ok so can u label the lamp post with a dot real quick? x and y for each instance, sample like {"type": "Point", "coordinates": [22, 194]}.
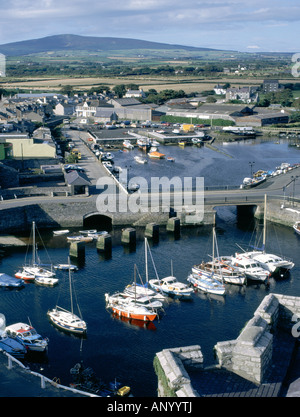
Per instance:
{"type": "Point", "coordinates": [251, 165]}
{"type": "Point", "coordinates": [294, 180]}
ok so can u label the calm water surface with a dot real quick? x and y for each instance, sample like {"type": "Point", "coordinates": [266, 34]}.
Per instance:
{"type": "Point", "coordinates": [115, 348]}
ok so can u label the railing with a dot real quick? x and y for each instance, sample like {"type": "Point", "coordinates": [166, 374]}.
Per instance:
{"type": "Point", "coordinates": [43, 379]}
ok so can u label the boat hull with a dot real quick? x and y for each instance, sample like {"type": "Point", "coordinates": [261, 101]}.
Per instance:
{"type": "Point", "coordinates": [132, 315]}
{"type": "Point", "coordinates": [206, 285]}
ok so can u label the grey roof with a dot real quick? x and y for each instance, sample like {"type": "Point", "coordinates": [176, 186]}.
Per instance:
{"type": "Point", "coordinates": [77, 178]}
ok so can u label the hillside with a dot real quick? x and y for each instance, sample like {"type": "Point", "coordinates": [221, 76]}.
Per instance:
{"type": "Point", "coordinates": [87, 43]}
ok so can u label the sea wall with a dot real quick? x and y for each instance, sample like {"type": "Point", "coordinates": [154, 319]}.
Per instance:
{"type": "Point", "coordinates": [250, 355]}
{"type": "Point", "coordinates": [169, 365]}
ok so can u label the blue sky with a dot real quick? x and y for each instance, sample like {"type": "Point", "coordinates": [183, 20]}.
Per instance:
{"type": "Point", "coordinates": [253, 25]}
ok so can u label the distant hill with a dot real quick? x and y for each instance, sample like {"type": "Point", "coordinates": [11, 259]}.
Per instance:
{"type": "Point", "coordinates": [88, 43]}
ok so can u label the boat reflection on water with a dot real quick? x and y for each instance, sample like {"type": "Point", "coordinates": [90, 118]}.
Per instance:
{"type": "Point", "coordinates": [149, 325]}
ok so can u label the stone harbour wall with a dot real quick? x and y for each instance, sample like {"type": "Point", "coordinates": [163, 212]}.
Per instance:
{"type": "Point", "coordinates": [250, 355]}
{"type": "Point", "coordinates": [170, 365]}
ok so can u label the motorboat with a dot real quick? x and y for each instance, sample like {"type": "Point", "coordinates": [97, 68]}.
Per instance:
{"type": "Point", "coordinates": [154, 142]}
{"type": "Point", "coordinates": [171, 287]}
{"type": "Point", "coordinates": [296, 227]}
{"type": "Point", "coordinates": [156, 155]}
{"type": "Point", "coordinates": [140, 160]}
{"type": "Point", "coordinates": [66, 267]}
{"type": "Point", "coordinates": [133, 186]}
{"type": "Point", "coordinates": [170, 159]}
{"type": "Point", "coordinates": [29, 336]}
{"type": "Point", "coordinates": [60, 232]}
{"type": "Point", "coordinates": [67, 320]}
{"type": "Point", "coordinates": [46, 281]}
{"type": "Point", "coordinates": [10, 282]}
{"type": "Point", "coordinates": [140, 290]}
{"type": "Point", "coordinates": [206, 283]}
{"type": "Point", "coordinates": [127, 144]}
{"type": "Point", "coordinates": [87, 232]}
{"type": "Point", "coordinates": [222, 272]}
{"type": "Point", "coordinates": [80, 239]}
{"type": "Point", "coordinates": [24, 276]}
{"type": "Point", "coordinates": [13, 346]}
{"type": "Point", "coordinates": [274, 264]}
{"type": "Point", "coordinates": [143, 143]}
{"type": "Point", "coordinates": [251, 268]}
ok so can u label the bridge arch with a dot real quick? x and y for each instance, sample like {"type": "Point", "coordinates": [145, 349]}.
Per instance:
{"type": "Point", "coordinates": [97, 221]}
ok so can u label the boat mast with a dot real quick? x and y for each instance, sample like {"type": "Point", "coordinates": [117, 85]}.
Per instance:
{"type": "Point", "coordinates": [33, 243]}
{"type": "Point", "coordinates": [146, 259]}
{"type": "Point", "coordinates": [70, 286]}
{"type": "Point", "coordinates": [265, 223]}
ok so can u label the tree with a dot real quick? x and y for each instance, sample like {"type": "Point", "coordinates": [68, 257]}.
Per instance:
{"type": "Point", "coordinates": [67, 90]}
{"type": "Point", "coordinates": [120, 90]}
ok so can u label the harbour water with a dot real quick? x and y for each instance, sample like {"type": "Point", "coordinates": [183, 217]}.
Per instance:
{"type": "Point", "coordinates": [116, 348]}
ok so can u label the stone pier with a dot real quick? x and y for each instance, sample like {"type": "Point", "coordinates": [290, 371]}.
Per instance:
{"type": "Point", "coordinates": [261, 355]}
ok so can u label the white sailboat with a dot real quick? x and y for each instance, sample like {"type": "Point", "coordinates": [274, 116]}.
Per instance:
{"type": "Point", "coordinates": [220, 271]}
{"type": "Point", "coordinates": [272, 263]}
{"type": "Point", "coordinates": [34, 270]}
{"type": "Point", "coordinates": [133, 310]}
{"type": "Point", "coordinates": [65, 319]}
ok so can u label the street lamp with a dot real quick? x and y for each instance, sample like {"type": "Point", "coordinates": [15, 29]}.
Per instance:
{"type": "Point", "coordinates": [294, 180]}
{"type": "Point", "coordinates": [251, 165]}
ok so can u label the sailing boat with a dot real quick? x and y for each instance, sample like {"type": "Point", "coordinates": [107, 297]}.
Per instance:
{"type": "Point", "coordinates": [131, 311]}
{"type": "Point", "coordinates": [67, 320]}
{"type": "Point", "coordinates": [220, 271]}
{"type": "Point", "coordinates": [34, 270]}
{"type": "Point", "coordinates": [143, 289]}
{"type": "Point", "coordinates": [268, 261]}
{"type": "Point", "coordinates": [170, 286]}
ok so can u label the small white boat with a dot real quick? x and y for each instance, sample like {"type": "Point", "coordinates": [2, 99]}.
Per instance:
{"type": "Point", "coordinates": [296, 227]}
{"type": "Point", "coordinates": [206, 284]}
{"type": "Point", "coordinates": [133, 187]}
{"type": "Point", "coordinates": [61, 232]}
{"type": "Point", "coordinates": [87, 232]}
{"type": "Point", "coordinates": [46, 281]}
{"type": "Point", "coordinates": [140, 160]}
{"type": "Point", "coordinates": [66, 267]}
{"type": "Point", "coordinates": [29, 336]}
{"type": "Point", "coordinates": [172, 287]}
{"type": "Point", "coordinates": [127, 144]}
{"type": "Point", "coordinates": [79, 239]}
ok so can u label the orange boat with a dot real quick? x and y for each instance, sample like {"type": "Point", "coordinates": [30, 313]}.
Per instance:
{"type": "Point", "coordinates": [156, 155]}
{"type": "Point", "coordinates": [133, 312]}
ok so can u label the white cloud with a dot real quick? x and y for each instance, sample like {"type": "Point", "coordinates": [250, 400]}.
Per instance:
{"type": "Point", "coordinates": [192, 22]}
